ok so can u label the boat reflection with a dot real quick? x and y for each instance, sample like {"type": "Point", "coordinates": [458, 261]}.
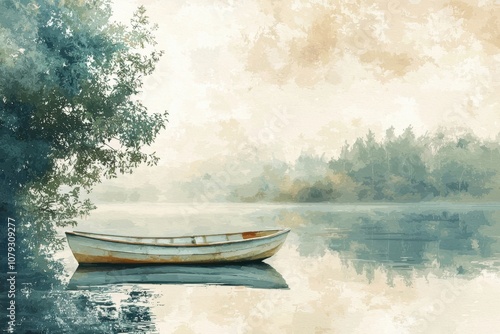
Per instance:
{"type": "Point", "coordinates": [258, 275]}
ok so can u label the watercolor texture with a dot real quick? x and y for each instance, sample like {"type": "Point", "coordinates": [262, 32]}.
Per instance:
{"type": "Point", "coordinates": [370, 129]}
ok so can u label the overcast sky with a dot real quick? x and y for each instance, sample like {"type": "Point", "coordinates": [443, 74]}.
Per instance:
{"type": "Point", "coordinates": [294, 76]}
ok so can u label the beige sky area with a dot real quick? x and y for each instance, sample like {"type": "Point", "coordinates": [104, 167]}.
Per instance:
{"type": "Point", "coordinates": [307, 76]}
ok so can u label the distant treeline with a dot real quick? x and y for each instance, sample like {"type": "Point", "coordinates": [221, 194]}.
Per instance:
{"type": "Point", "coordinates": [397, 168]}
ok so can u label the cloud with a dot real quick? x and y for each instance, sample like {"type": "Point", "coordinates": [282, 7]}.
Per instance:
{"type": "Point", "coordinates": [391, 39]}
{"type": "Point", "coordinates": [334, 69]}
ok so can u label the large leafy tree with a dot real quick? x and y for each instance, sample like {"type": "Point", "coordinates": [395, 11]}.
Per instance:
{"type": "Point", "coordinates": [68, 112]}
{"type": "Point", "coordinates": [68, 119]}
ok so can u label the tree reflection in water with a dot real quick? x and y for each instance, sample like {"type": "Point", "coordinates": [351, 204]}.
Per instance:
{"type": "Point", "coordinates": [404, 243]}
{"type": "Point", "coordinates": [43, 305]}
{"type": "Point", "coordinates": [60, 311]}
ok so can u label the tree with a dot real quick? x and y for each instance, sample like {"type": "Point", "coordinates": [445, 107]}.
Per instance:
{"type": "Point", "coordinates": [68, 116]}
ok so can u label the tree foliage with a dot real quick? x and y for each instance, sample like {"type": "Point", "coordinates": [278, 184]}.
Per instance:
{"type": "Point", "coordinates": [397, 168]}
{"type": "Point", "coordinates": [68, 116]}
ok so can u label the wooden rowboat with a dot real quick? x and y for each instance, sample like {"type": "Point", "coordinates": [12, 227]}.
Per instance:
{"type": "Point", "coordinates": [93, 248]}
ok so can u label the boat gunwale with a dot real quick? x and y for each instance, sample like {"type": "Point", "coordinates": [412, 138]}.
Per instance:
{"type": "Point", "coordinates": [217, 243]}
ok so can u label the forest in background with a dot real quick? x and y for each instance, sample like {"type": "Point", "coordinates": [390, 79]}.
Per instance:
{"type": "Point", "coordinates": [397, 168]}
{"type": "Point", "coordinates": [444, 165]}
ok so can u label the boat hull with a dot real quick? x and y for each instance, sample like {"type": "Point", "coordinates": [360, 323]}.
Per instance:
{"type": "Point", "coordinates": [88, 250]}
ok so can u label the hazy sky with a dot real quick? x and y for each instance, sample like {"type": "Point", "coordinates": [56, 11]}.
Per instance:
{"type": "Point", "coordinates": [293, 76]}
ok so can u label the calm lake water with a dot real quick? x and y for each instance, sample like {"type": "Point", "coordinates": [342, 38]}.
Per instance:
{"type": "Point", "coordinates": [407, 268]}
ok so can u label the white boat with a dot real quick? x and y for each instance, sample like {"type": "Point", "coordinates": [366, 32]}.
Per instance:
{"type": "Point", "coordinates": [93, 248]}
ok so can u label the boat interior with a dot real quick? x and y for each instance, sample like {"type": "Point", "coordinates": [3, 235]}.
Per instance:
{"type": "Point", "coordinates": [182, 240]}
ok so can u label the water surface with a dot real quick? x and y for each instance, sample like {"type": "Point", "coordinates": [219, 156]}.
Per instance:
{"type": "Point", "coordinates": [405, 268]}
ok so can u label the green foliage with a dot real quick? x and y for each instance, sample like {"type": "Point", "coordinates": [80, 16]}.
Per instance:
{"type": "Point", "coordinates": [397, 168]}
{"type": "Point", "coordinates": [68, 116]}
